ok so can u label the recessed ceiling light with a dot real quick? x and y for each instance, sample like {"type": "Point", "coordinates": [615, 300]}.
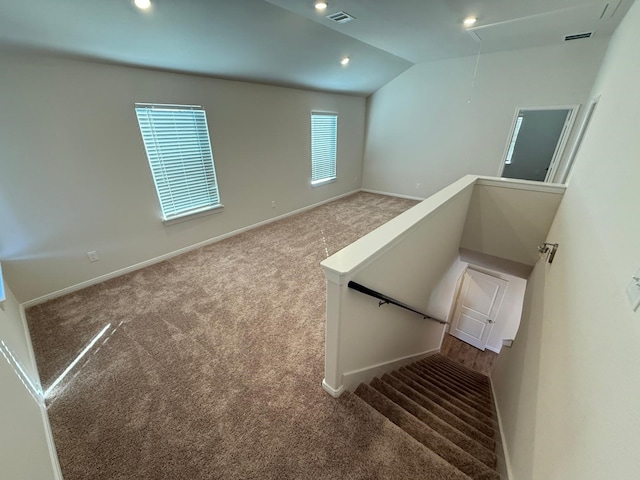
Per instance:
{"type": "Point", "coordinates": [320, 5]}
{"type": "Point", "coordinates": [142, 4]}
{"type": "Point", "coordinates": [345, 61]}
{"type": "Point", "coordinates": [469, 21]}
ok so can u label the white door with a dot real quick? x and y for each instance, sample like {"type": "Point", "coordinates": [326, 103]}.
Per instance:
{"type": "Point", "coordinates": [477, 307]}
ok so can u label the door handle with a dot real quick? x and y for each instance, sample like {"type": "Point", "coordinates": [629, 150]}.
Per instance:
{"type": "Point", "coordinates": [491, 321]}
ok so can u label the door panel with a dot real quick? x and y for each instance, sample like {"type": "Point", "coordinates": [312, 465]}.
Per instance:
{"type": "Point", "coordinates": [477, 307]}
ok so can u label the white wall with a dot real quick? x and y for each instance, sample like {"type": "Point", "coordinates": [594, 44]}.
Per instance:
{"type": "Point", "coordinates": [568, 390]}
{"type": "Point", "coordinates": [509, 222]}
{"type": "Point", "coordinates": [24, 436]}
{"type": "Point", "coordinates": [507, 320]}
{"type": "Point", "coordinates": [422, 129]}
{"type": "Point", "coordinates": [75, 176]}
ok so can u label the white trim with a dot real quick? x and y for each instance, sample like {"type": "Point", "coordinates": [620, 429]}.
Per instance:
{"type": "Point", "coordinates": [201, 212]}
{"type": "Point", "coordinates": [32, 354]}
{"type": "Point", "coordinates": [505, 451]}
{"type": "Point", "coordinates": [175, 253]}
{"type": "Point", "coordinates": [351, 380]}
{"type": "Point", "coordinates": [578, 142]}
{"type": "Point", "coordinates": [493, 349]}
{"type": "Point", "coordinates": [51, 446]}
{"type": "Point", "coordinates": [517, 184]}
{"type": "Point", "coordinates": [53, 453]}
{"type": "Point", "coordinates": [332, 391]}
{"type": "Point", "coordinates": [324, 181]}
{"type": "Point", "coordinates": [389, 194]}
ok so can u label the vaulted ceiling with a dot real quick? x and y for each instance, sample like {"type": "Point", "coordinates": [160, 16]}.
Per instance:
{"type": "Point", "coordinates": [288, 42]}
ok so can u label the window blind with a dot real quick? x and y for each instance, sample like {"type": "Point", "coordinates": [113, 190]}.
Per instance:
{"type": "Point", "coordinates": [176, 139]}
{"type": "Point", "coordinates": [324, 141]}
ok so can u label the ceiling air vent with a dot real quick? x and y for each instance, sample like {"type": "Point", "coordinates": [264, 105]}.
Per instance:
{"type": "Point", "coordinates": [341, 17]}
{"type": "Point", "coordinates": [578, 36]}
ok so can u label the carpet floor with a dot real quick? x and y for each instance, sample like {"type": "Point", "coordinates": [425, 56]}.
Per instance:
{"type": "Point", "coordinates": [211, 363]}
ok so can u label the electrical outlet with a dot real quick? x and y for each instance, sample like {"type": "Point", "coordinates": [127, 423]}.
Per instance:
{"type": "Point", "coordinates": [355, 180]}
{"type": "Point", "coordinates": [273, 204]}
{"type": "Point", "coordinates": [418, 185]}
{"type": "Point", "coordinates": [93, 256]}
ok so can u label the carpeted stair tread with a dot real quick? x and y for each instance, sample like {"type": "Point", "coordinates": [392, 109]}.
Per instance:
{"type": "Point", "coordinates": [470, 392]}
{"type": "Point", "coordinates": [461, 369]}
{"type": "Point", "coordinates": [480, 422]}
{"type": "Point", "coordinates": [443, 413]}
{"type": "Point", "coordinates": [482, 390]}
{"type": "Point", "coordinates": [451, 377]}
{"type": "Point", "coordinates": [438, 425]}
{"type": "Point", "coordinates": [433, 388]}
{"type": "Point", "coordinates": [450, 391]}
{"type": "Point", "coordinates": [460, 459]}
{"type": "Point", "coordinates": [483, 386]}
{"type": "Point", "coordinates": [431, 465]}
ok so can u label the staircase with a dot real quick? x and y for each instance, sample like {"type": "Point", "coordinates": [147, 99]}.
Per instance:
{"type": "Point", "coordinates": [446, 407]}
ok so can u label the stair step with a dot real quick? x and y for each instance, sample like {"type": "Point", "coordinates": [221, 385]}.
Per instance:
{"type": "Point", "coordinates": [483, 385]}
{"type": "Point", "coordinates": [432, 388]}
{"type": "Point", "coordinates": [460, 459]}
{"type": "Point", "coordinates": [449, 413]}
{"type": "Point", "coordinates": [446, 379]}
{"type": "Point", "coordinates": [444, 389]}
{"type": "Point", "coordinates": [452, 434]}
{"type": "Point", "coordinates": [465, 371]}
{"type": "Point", "coordinates": [417, 460]}
{"type": "Point", "coordinates": [441, 369]}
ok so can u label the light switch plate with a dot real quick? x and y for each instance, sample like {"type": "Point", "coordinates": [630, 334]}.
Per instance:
{"type": "Point", "coordinates": [633, 291]}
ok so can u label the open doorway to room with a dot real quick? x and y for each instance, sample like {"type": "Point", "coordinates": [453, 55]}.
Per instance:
{"type": "Point", "coordinates": [486, 296]}
{"type": "Point", "coordinates": [537, 141]}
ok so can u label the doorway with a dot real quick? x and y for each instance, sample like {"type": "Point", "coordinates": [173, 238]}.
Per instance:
{"type": "Point", "coordinates": [536, 143]}
{"type": "Point", "coordinates": [477, 307]}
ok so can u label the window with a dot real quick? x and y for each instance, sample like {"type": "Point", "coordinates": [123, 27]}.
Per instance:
{"type": "Point", "coordinates": [512, 145]}
{"type": "Point", "coordinates": [176, 138]}
{"type": "Point", "coordinates": [324, 141]}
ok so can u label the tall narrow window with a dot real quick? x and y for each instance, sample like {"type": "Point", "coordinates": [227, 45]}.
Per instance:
{"type": "Point", "coordinates": [176, 138]}
{"type": "Point", "coordinates": [324, 142]}
{"type": "Point", "coordinates": [512, 145]}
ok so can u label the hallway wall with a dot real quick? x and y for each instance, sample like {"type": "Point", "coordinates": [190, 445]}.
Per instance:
{"type": "Point", "coordinates": [568, 390]}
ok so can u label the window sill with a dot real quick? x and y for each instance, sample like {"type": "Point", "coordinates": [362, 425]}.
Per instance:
{"type": "Point", "coordinates": [324, 181]}
{"type": "Point", "coordinates": [193, 215]}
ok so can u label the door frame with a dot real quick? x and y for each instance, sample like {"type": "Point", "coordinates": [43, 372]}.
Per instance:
{"type": "Point", "coordinates": [562, 140]}
{"type": "Point", "coordinates": [457, 298]}
{"type": "Point", "coordinates": [578, 143]}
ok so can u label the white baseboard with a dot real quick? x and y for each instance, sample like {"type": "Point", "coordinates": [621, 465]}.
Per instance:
{"type": "Point", "coordinates": [351, 380]}
{"type": "Point", "coordinates": [389, 194]}
{"type": "Point", "coordinates": [332, 391]}
{"type": "Point", "coordinates": [175, 253]}
{"type": "Point", "coordinates": [55, 463]}
{"type": "Point", "coordinates": [503, 468]}
{"type": "Point", "coordinates": [493, 349]}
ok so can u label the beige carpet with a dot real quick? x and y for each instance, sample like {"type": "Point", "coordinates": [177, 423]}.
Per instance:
{"type": "Point", "coordinates": [212, 365]}
{"type": "Point", "coordinates": [446, 407]}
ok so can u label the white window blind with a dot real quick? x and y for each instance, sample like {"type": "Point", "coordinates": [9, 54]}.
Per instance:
{"type": "Point", "coordinates": [176, 139]}
{"type": "Point", "coordinates": [324, 142]}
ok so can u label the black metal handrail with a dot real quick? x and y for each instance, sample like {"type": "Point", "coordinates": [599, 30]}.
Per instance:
{"type": "Point", "coordinates": [388, 300]}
